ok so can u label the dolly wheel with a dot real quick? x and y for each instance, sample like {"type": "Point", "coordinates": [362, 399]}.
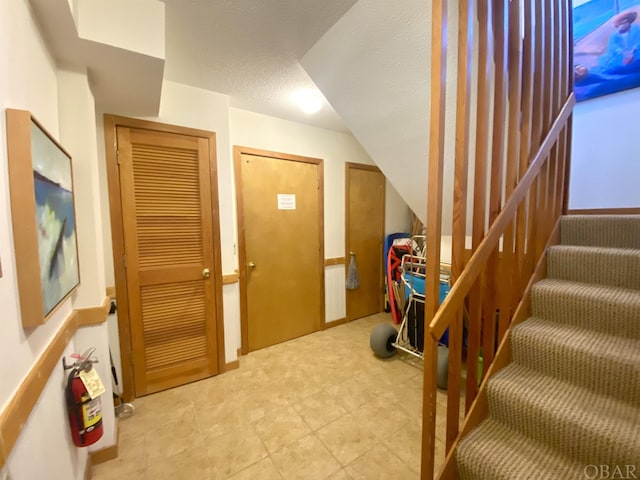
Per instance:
{"type": "Point", "coordinates": [381, 339]}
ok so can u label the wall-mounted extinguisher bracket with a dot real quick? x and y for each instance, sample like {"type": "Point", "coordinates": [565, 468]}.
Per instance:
{"type": "Point", "coordinates": [82, 362]}
{"type": "Point", "coordinates": [83, 399]}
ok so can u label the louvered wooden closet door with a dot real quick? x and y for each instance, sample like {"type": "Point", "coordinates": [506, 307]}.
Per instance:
{"type": "Point", "coordinates": [167, 214]}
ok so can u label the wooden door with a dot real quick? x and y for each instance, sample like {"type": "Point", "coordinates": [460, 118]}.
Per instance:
{"type": "Point", "coordinates": [365, 197]}
{"type": "Point", "coordinates": [167, 190]}
{"type": "Point", "coordinates": [280, 216]}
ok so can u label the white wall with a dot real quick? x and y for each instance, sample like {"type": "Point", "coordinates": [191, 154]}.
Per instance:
{"type": "Point", "coordinates": [77, 114]}
{"type": "Point", "coordinates": [397, 215]}
{"type": "Point", "coordinates": [135, 26]}
{"type": "Point", "coordinates": [30, 82]}
{"type": "Point", "coordinates": [605, 164]}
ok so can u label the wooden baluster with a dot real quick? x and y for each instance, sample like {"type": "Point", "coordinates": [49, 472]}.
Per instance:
{"type": "Point", "coordinates": [560, 57]}
{"type": "Point", "coordinates": [549, 54]}
{"type": "Point", "coordinates": [483, 116]}
{"type": "Point", "coordinates": [459, 232]}
{"type": "Point", "coordinates": [533, 214]}
{"type": "Point", "coordinates": [500, 27]}
{"type": "Point", "coordinates": [474, 339]}
{"type": "Point", "coordinates": [509, 269]}
{"type": "Point", "coordinates": [562, 72]}
{"type": "Point", "coordinates": [434, 229]}
{"type": "Point", "coordinates": [533, 206]}
{"type": "Point", "coordinates": [567, 166]}
{"type": "Point", "coordinates": [429, 411]}
{"type": "Point", "coordinates": [550, 60]}
{"type": "Point", "coordinates": [569, 90]}
{"type": "Point", "coordinates": [526, 130]}
{"type": "Point", "coordinates": [562, 158]}
{"type": "Point", "coordinates": [559, 79]}
{"type": "Point", "coordinates": [542, 225]}
{"type": "Point", "coordinates": [569, 42]}
{"type": "Point", "coordinates": [539, 77]}
{"type": "Point", "coordinates": [553, 185]}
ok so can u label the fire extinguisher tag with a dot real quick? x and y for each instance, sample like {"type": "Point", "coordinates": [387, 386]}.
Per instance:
{"type": "Point", "coordinates": [92, 383]}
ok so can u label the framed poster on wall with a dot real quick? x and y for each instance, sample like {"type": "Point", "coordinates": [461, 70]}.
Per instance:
{"type": "Point", "coordinates": [43, 218]}
{"type": "Point", "coordinates": [606, 55]}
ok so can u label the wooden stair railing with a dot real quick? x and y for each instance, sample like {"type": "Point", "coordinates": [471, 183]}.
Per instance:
{"type": "Point", "coordinates": [521, 158]}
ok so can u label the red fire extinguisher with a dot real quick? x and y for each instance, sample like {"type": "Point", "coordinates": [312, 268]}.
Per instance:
{"type": "Point", "coordinates": [85, 413]}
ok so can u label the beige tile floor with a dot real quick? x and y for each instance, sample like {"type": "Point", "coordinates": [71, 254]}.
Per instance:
{"type": "Point", "coordinates": [317, 407]}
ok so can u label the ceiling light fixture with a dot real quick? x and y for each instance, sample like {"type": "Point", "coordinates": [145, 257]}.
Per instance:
{"type": "Point", "coordinates": [310, 102]}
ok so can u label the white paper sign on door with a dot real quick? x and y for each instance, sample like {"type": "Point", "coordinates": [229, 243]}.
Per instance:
{"type": "Point", "coordinates": [286, 201]}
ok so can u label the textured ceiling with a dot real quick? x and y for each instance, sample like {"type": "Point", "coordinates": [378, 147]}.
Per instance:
{"type": "Point", "coordinates": [250, 50]}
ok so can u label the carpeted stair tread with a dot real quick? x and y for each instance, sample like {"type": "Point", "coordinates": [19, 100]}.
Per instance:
{"type": "Point", "coordinates": [607, 362]}
{"type": "Point", "coordinates": [617, 231]}
{"type": "Point", "coordinates": [493, 451]}
{"type": "Point", "coordinates": [583, 424]}
{"type": "Point", "coordinates": [570, 398]}
{"type": "Point", "coordinates": [602, 308]}
{"type": "Point", "coordinates": [598, 265]}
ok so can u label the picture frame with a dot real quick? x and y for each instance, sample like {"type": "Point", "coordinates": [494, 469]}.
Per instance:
{"type": "Point", "coordinates": [43, 218]}
{"type": "Point", "coordinates": [606, 54]}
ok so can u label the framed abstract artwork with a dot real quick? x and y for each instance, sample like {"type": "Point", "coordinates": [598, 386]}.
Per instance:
{"type": "Point", "coordinates": [43, 218]}
{"type": "Point", "coordinates": [606, 54]}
